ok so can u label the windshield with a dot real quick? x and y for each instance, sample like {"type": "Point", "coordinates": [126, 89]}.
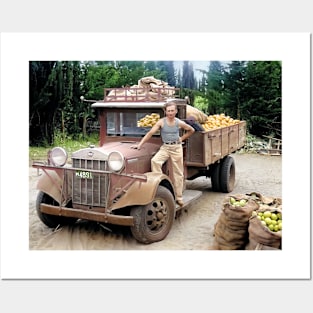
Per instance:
{"type": "Point", "coordinates": [130, 123]}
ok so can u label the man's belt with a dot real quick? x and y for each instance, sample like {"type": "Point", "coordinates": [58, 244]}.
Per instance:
{"type": "Point", "coordinates": [177, 142]}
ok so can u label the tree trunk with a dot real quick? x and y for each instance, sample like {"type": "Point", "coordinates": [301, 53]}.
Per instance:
{"type": "Point", "coordinates": [84, 126]}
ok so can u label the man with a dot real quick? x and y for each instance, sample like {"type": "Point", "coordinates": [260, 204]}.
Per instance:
{"type": "Point", "coordinates": [172, 146]}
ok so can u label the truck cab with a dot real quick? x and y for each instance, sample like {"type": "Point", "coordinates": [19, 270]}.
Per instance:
{"type": "Point", "coordinates": [114, 184]}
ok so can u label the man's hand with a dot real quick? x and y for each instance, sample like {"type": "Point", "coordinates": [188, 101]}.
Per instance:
{"type": "Point", "coordinates": [135, 147]}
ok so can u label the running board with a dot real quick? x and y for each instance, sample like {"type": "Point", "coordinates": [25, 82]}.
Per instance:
{"type": "Point", "coordinates": [188, 197]}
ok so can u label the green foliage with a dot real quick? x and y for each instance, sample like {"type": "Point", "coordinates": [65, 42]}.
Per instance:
{"type": "Point", "coordinates": [261, 98]}
{"type": "Point", "coordinates": [201, 103]}
{"type": "Point", "coordinates": [253, 93]}
{"type": "Point", "coordinates": [64, 141]}
{"type": "Point", "coordinates": [216, 101]}
{"type": "Point", "coordinates": [190, 93]}
{"type": "Point", "coordinates": [248, 91]}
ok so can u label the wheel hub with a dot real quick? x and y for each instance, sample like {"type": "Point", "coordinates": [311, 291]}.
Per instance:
{"type": "Point", "coordinates": [157, 215]}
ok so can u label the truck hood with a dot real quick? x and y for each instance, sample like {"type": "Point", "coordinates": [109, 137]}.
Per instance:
{"type": "Point", "coordinates": [90, 153]}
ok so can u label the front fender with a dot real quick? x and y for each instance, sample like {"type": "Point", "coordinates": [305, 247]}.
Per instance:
{"type": "Point", "coordinates": [142, 193]}
{"type": "Point", "coordinates": [51, 183]}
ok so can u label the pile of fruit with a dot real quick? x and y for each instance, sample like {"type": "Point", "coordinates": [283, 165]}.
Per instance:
{"type": "Point", "coordinates": [148, 120]}
{"type": "Point", "coordinates": [218, 120]}
{"type": "Point", "coordinates": [234, 202]}
{"type": "Point", "coordinates": [270, 219]}
{"type": "Point", "coordinates": [212, 122]}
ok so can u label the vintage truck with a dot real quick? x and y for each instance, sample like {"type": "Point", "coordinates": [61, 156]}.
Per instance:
{"type": "Point", "coordinates": [113, 184]}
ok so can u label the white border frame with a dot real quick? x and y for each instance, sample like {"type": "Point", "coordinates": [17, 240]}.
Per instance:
{"type": "Point", "coordinates": [293, 262]}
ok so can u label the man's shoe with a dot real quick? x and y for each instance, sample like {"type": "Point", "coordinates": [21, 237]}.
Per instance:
{"type": "Point", "coordinates": [180, 202]}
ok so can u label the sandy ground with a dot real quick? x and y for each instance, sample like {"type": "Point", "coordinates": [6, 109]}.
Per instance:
{"type": "Point", "coordinates": [192, 230]}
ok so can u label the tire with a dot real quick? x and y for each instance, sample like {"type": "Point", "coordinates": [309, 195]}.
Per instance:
{"type": "Point", "coordinates": [153, 222]}
{"type": "Point", "coordinates": [215, 177]}
{"type": "Point", "coordinates": [227, 174]}
{"type": "Point", "coordinates": [49, 220]}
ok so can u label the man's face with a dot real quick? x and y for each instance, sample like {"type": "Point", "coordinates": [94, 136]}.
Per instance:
{"type": "Point", "coordinates": [171, 111]}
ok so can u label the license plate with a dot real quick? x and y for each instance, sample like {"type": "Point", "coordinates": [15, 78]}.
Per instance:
{"type": "Point", "coordinates": [84, 174]}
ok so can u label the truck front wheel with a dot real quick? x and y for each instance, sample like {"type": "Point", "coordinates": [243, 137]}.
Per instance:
{"type": "Point", "coordinates": [227, 174]}
{"type": "Point", "coordinates": [152, 222]}
{"type": "Point", "coordinates": [49, 220]}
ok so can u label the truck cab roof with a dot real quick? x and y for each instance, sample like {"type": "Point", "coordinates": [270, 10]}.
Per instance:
{"type": "Point", "coordinates": [128, 105]}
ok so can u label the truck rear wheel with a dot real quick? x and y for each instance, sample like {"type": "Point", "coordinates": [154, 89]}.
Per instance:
{"type": "Point", "coordinates": [215, 177]}
{"type": "Point", "coordinates": [152, 222]}
{"type": "Point", "coordinates": [227, 174]}
{"type": "Point", "coordinates": [49, 220]}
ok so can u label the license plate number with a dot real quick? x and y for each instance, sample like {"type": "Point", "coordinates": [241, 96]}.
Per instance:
{"type": "Point", "coordinates": [83, 174]}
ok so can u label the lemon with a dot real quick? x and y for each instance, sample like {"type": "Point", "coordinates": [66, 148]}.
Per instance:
{"type": "Point", "coordinates": [242, 202]}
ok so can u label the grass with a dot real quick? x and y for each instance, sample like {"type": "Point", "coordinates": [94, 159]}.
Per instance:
{"type": "Point", "coordinates": [69, 144]}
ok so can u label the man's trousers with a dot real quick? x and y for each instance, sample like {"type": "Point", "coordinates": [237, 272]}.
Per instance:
{"type": "Point", "coordinates": [175, 153]}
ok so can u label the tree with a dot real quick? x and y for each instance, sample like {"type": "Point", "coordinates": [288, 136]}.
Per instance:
{"type": "Point", "coordinates": [54, 100]}
{"type": "Point", "coordinates": [249, 91]}
{"type": "Point", "coordinates": [70, 112]}
{"type": "Point", "coordinates": [261, 103]}
{"type": "Point", "coordinates": [215, 88]}
{"type": "Point", "coordinates": [166, 72]}
{"type": "Point", "coordinates": [42, 101]}
{"type": "Point", "coordinates": [234, 81]}
{"type": "Point", "coordinates": [188, 77]}
{"type": "Point", "coordinates": [203, 81]}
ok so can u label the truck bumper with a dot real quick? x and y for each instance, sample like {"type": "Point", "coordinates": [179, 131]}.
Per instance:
{"type": "Point", "coordinates": [87, 215]}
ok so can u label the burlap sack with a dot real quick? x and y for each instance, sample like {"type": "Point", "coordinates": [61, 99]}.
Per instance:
{"type": "Point", "coordinates": [273, 201]}
{"type": "Point", "coordinates": [254, 245]}
{"type": "Point", "coordinates": [238, 213]}
{"type": "Point", "coordinates": [262, 238]}
{"type": "Point", "coordinates": [196, 113]}
{"type": "Point", "coordinates": [231, 229]}
{"type": "Point", "coordinates": [144, 82]}
{"type": "Point", "coordinates": [232, 224]}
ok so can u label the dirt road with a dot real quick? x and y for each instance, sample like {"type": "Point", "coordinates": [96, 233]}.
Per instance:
{"type": "Point", "coordinates": [192, 230]}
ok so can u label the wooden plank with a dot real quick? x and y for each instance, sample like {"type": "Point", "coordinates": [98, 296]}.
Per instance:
{"type": "Point", "coordinates": [242, 134]}
{"type": "Point", "coordinates": [215, 141]}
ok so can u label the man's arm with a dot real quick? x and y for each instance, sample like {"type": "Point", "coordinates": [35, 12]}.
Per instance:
{"type": "Point", "coordinates": [189, 130]}
{"type": "Point", "coordinates": [148, 135]}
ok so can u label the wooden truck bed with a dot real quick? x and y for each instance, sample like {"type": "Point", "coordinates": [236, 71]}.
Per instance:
{"type": "Point", "coordinates": [207, 147]}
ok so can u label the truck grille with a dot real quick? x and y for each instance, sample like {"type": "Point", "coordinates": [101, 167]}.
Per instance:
{"type": "Point", "coordinates": [90, 191]}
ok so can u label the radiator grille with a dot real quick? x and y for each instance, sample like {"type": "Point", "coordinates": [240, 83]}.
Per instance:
{"type": "Point", "coordinates": [87, 191]}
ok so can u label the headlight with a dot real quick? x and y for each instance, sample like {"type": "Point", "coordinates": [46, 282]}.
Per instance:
{"type": "Point", "coordinates": [116, 161]}
{"type": "Point", "coordinates": [57, 156]}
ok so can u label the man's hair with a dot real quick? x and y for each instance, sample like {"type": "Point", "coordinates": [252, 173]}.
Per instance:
{"type": "Point", "coordinates": [169, 104]}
